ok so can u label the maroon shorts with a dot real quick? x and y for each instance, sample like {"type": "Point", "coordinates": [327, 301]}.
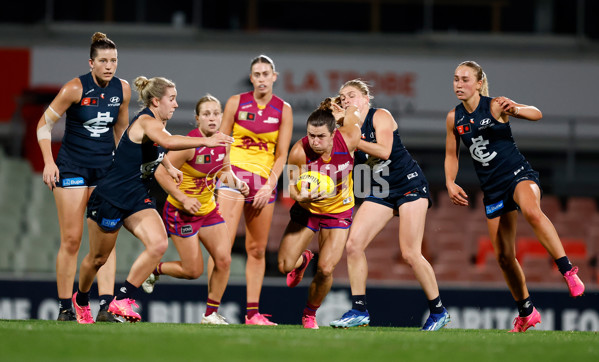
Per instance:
{"type": "Point", "coordinates": [182, 224]}
{"type": "Point", "coordinates": [315, 222]}
{"type": "Point", "coordinates": [254, 181]}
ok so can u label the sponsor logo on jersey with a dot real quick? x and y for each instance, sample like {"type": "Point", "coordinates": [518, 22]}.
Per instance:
{"type": "Point", "coordinates": [114, 101]}
{"type": "Point", "coordinates": [463, 129]}
{"type": "Point", "coordinates": [489, 209]}
{"type": "Point", "coordinates": [485, 123]}
{"type": "Point", "coordinates": [412, 175]}
{"type": "Point", "coordinates": [271, 120]}
{"type": "Point", "coordinates": [186, 229]}
{"type": "Point", "coordinates": [246, 116]}
{"type": "Point", "coordinates": [74, 181]}
{"type": "Point", "coordinates": [203, 159]}
{"type": "Point", "coordinates": [109, 223]}
{"type": "Point", "coordinates": [89, 102]}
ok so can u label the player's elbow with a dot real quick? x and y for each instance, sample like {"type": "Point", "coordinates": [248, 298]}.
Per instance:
{"type": "Point", "coordinates": [385, 155]}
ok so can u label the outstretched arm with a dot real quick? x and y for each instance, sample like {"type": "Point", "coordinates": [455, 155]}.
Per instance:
{"type": "Point", "coordinates": [154, 129]}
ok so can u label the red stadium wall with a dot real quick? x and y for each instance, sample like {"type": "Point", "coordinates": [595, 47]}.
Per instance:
{"type": "Point", "coordinates": [16, 64]}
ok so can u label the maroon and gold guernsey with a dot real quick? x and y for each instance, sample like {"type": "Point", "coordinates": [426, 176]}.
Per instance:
{"type": "Point", "coordinates": [256, 131]}
{"type": "Point", "coordinates": [339, 168]}
{"type": "Point", "coordinates": [198, 175]}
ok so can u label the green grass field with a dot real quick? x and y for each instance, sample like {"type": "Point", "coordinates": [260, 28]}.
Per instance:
{"type": "Point", "coordinates": [36, 340]}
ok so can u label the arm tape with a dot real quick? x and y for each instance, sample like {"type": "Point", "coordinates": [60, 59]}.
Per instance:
{"type": "Point", "coordinates": [45, 131]}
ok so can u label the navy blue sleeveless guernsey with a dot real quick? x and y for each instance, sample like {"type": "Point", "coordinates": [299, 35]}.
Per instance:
{"type": "Point", "coordinates": [400, 171]}
{"type": "Point", "coordinates": [128, 180]}
{"type": "Point", "coordinates": [88, 138]}
{"type": "Point", "coordinates": [496, 157]}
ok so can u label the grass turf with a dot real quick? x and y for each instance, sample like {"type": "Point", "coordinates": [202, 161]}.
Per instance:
{"type": "Point", "coordinates": [37, 340]}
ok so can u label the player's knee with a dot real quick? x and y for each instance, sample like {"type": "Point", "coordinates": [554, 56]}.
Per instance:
{"type": "Point", "coordinates": [353, 247]}
{"type": "Point", "coordinates": [411, 257]}
{"type": "Point", "coordinates": [505, 260]}
{"type": "Point", "coordinates": [285, 266]}
{"type": "Point", "coordinates": [533, 217]}
{"type": "Point", "coordinates": [222, 262]}
{"type": "Point", "coordinates": [157, 247]}
{"type": "Point", "coordinates": [71, 243]}
{"type": "Point", "coordinates": [325, 271]}
{"type": "Point", "coordinates": [256, 252]}
{"type": "Point", "coordinates": [192, 273]}
{"type": "Point", "coordinates": [98, 260]}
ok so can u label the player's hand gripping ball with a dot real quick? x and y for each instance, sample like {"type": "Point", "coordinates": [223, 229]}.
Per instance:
{"type": "Point", "coordinates": [316, 180]}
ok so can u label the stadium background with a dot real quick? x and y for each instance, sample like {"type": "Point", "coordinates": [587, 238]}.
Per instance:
{"type": "Point", "coordinates": [542, 52]}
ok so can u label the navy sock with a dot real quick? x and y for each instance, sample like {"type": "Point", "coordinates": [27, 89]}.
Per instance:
{"type": "Point", "coordinates": [82, 299]}
{"type": "Point", "coordinates": [435, 305]}
{"type": "Point", "coordinates": [105, 300]}
{"type": "Point", "coordinates": [524, 307]}
{"type": "Point", "coordinates": [563, 264]}
{"type": "Point", "coordinates": [128, 290]}
{"type": "Point", "coordinates": [358, 302]}
{"type": "Point", "coordinates": [65, 304]}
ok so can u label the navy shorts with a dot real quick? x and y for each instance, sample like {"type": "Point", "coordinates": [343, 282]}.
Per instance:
{"type": "Point", "coordinates": [110, 217]}
{"type": "Point", "coordinates": [505, 203]}
{"type": "Point", "coordinates": [73, 176]}
{"type": "Point", "coordinates": [397, 198]}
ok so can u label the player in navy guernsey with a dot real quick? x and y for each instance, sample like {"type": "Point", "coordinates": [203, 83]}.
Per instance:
{"type": "Point", "coordinates": [398, 187]}
{"type": "Point", "coordinates": [507, 180]}
{"type": "Point", "coordinates": [96, 106]}
{"type": "Point", "coordinates": [122, 196]}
